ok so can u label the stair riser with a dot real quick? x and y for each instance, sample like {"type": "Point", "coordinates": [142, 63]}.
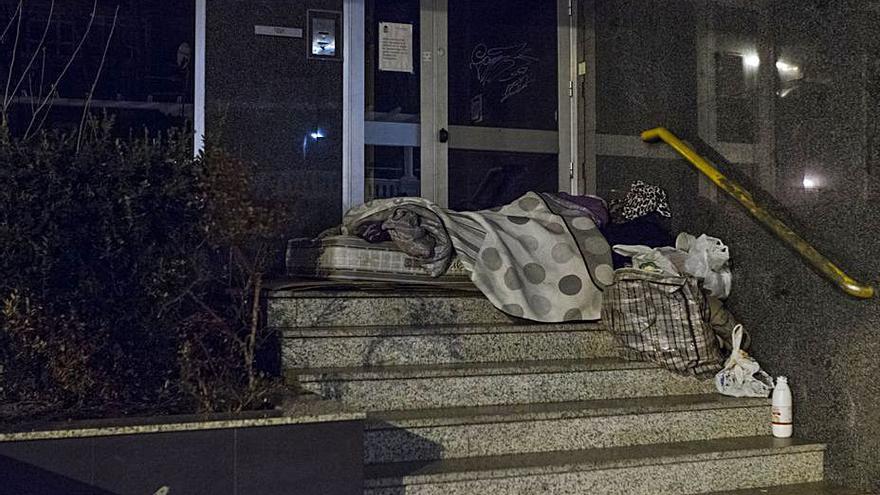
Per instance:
{"type": "Point", "coordinates": [439, 349]}
{"type": "Point", "coordinates": [451, 391]}
{"type": "Point", "coordinates": [664, 479]}
{"type": "Point", "coordinates": [392, 444]}
{"type": "Point", "coordinates": [384, 311]}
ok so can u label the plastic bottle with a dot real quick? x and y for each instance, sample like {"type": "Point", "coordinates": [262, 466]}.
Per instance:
{"type": "Point", "coordinates": [781, 412]}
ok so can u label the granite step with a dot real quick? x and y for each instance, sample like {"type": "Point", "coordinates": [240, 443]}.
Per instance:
{"type": "Point", "coordinates": [382, 346]}
{"type": "Point", "coordinates": [820, 488]}
{"type": "Point", "coordinates": [678, 468]}
{"type": "Point", "coordinates": [431, 434]}
{"type": "Point", "coordinates": [475, 384]}
{"type": "Point", "coordinates": [292, 309]}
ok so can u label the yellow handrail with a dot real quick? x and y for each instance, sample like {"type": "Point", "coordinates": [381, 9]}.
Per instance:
{"type": "Point", "coordinates": [820, 262]}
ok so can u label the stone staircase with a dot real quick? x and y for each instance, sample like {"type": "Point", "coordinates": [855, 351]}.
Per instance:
{"type": "Point", "coordinates": [462, 399]}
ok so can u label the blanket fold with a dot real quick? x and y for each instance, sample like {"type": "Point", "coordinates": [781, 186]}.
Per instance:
{"type": "Point", "coordinates": [540, 257]}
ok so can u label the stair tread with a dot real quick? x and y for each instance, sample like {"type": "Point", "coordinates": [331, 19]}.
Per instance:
{"type": "Point", "coordinates": [442, 329]}
{"type": "Point", "coordinates": [353, 290]}
{"type": "Point", "coordinates": [821, 488]}
{"type": "Point", "coordinates": [471, 369]}
{"type": "Point", "coordinates": [556, 410]}
{"type": "Point", "coordinates": [458, 469]}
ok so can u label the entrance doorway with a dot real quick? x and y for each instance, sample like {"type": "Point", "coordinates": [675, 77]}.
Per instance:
{"type": "Point", "coordinates": [464, 102]}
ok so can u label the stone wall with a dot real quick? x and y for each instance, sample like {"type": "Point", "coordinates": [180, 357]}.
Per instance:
{"type": "Point", "coordinates": [264, 99]}
{"type": "Point", "coordinates": [821, 127]}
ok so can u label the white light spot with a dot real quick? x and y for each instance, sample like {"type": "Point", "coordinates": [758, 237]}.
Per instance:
{"type": "Point", "coordinates": [810, 182]}
{"type": "Point", "coordinates": [786, 68]}
{"type": "Point", "coordinates": [785, 91]}
{"type": "Point", "coordinates": [752, 60]}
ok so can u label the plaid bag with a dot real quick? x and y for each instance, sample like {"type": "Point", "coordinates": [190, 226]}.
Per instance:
{"type": "Point", "coordinates": [663, 319]}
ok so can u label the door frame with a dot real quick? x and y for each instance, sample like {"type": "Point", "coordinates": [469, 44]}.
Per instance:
{"type": "Point", "coordinates": [434, 104]}
{"type": "Point", "coordinates": [201, 22]}
{"type": "Point", "coordinates": [353, 102]}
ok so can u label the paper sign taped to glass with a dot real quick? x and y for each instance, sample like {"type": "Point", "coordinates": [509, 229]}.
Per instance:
{"type": "Point", "coordinates": [395, 47]}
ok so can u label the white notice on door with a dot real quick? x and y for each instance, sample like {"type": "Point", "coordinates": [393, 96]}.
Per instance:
{"type": "Point", "coordinates": [395, 47]}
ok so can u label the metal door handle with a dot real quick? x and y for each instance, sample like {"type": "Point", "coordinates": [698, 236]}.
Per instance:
{"type": "Point", "coordinates": [444, 135]}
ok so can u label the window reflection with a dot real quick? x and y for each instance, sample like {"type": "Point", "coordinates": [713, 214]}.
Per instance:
{"type": "Point", "coordinates": [136, 65]}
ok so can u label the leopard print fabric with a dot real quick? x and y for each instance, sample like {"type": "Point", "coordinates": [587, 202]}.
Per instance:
{"type": "Point", "coordinates": [641, 200]}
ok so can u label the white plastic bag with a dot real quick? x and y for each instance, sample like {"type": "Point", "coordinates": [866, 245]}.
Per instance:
{"type": "Point", "coordinates": [742, 376]}
{"type": "Point", "coordinates": [707, 259]}
{"type": "Point", "coordinates": [648, 259]}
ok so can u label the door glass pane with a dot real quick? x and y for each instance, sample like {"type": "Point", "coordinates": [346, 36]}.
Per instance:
{"type": "Point", "coordinates": [503, 63]}
{"type": "Point", "coordinates": [482, 179]}
{"type": "Point", "coordinates": [391, 95]}
{"type": "Point", "coordinates": [392, 171]}
{"type": "Point", "coordinates": [392, 99]}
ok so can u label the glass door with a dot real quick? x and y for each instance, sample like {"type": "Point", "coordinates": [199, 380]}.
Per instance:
{"type": "Point", "coordinates": [392, 95]}
{"type": "Point", "coordinates": [466, 103]}
{"type": "Point", "coordinates": [503, 101]}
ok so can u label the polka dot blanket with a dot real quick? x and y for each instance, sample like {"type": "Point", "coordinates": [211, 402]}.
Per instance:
{"type": "Point", "coordinates": [538, 258]}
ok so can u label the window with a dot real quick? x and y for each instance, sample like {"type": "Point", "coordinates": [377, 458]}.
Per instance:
{"type": "Point", "coordinates": [135, 64]}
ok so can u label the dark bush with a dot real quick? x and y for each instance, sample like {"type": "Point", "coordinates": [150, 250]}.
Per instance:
{"type": "Point", "coordinates": [129, 275]}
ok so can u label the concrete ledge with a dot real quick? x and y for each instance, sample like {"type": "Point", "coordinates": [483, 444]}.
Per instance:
{"type": "Point", "coordinates": [313, 449]}
{"type": "Point", "coordinates": [301, 414]}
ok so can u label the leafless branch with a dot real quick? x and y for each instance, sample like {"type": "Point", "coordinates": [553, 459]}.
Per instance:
{"type": "Point", "coordinates": [11, 20]}
{"type": "Point", "coordinates": [214, 316]}
{"type": "Point", "coordinates": [88, 101]}
{"type": "Point", "coordinates": [48, 110]}
{"type": "Point", "coordinates": [42, 73]}
{"type": "Point", "coordinates": [187, 292]}
{"type": "Point", "coordinates": [8, 99]}
{"type": "Point", "coordinates": [250, 349]}
{"type": "Point", "coordinates": [14, 53]}
{"type": "Point", "coordinates": [54, 88]}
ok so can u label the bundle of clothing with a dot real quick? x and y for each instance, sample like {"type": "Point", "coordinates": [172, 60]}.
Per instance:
{"type": "Point", "coordinates": [641, 240]}
{"type": "Point", "coordinates": [638, 218]}
{"type": "Point", "coordinates": [548, 257]}
{"type": "Point", "coordinates": [541, 257]}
